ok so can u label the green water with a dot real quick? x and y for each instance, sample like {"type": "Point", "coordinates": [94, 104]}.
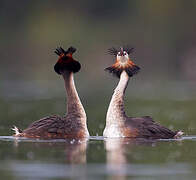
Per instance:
{"type": "Point", "coordinates": [98, 158]}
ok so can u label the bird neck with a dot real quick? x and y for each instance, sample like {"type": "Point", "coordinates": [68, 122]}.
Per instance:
{"type": "Point", "coordinates": [74, 106]}
{"type": "Point", "coordinates": [116, 112]}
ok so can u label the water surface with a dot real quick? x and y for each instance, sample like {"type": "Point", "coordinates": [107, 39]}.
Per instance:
{"type": "Point", "coordinates": [97, 158]}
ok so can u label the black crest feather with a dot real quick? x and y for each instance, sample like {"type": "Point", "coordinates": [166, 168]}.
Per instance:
{"type": "Point", "coordinates": [71, 49]}
{"type": "Point", "coordinates": [59, 50]}
{"type": "Point", "coordinates": [114, 51]}
{"type": "Point", "coordinates": [65, 62]}
{"type": "Point", "coordinates": [128, 49]}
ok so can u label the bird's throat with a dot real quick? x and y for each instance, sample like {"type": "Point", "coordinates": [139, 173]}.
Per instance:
{"type": "Point", "coordinates": [116, 111]}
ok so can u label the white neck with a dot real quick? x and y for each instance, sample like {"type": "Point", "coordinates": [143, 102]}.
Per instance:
{"type": "Point", "coordinates": [116, 112]}
{"type": "Point", "coordinates": [74, 105]}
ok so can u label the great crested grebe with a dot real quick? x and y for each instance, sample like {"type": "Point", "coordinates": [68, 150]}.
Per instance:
{"type": "Point", "coordinates": [118, 124]}
{"type": "Point", "coordinates": [72, 125]}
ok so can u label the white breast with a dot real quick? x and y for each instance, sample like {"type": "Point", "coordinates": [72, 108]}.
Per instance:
{"type": "Point", "coordinates": [113, 131]}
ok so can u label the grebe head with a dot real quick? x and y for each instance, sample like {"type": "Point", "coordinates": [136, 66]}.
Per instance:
{"type": "Point", "coordinates": [122, 57]}
{"type": "Point", "coordinates": [66, 61]}
{"type": "Point", "coordinates": [123, 62]}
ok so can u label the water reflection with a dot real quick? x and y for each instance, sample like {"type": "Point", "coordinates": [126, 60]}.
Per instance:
{"type": "Point", "coordinates": [46, 159]}
{"type": "Point", "coordinates": [74, 150]}
{"type": "Point", "coordinates": [76, 154]}
{"type": "Point", "coordinates": [117, 148]}
{"type": "Point", "coordinates": [82, 159]}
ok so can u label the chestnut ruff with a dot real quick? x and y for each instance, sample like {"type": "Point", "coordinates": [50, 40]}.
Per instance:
{"type": "Point", "coordinates": [117, 68]}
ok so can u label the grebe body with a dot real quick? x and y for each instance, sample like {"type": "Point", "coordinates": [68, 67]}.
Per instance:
{"type": "Point", "coordinates": [118, 124]}
{"type": "Point", "coordinates": [73, 124]}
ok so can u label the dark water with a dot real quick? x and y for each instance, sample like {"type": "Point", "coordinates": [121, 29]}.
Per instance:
{"type": "Point", "coordinates": [98, 158]}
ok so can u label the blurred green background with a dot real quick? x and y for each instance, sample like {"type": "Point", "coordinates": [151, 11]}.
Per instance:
{"type": "Point", "coordinates": [161, 31]}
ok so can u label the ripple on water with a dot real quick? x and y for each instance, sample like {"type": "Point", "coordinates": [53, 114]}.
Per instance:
{"type": "Point", "coordinates": [92, 138]}
{"type": "Point", "coordinates": [115, 152]}
{"type": "Point", "coordinates": [42, 171]}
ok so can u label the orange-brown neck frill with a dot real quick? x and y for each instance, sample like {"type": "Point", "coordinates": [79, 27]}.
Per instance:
{"type": "Point", "coordinates": [67, 63]}
{"type": "Point", "coordinates": [118, 67]}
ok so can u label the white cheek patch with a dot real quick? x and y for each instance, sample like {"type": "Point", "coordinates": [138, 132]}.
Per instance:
{"type": "Point", "coordinates": [118, 57]}
{"type": "Point", "coordinates": [123, 60]}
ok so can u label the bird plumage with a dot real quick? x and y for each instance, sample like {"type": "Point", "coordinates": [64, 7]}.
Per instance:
{"type": "Point", "coordinates": [73, 124]}
{"type": "Point", "coordinates": [118, 124]}
{"type": "Point", "coordinates": [125, 65]}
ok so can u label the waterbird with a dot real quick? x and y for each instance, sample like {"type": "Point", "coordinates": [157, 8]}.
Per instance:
{"type": "Point", "coordinates": [118, 124]}
{"type": "Point", "coordinates": [74, 123]}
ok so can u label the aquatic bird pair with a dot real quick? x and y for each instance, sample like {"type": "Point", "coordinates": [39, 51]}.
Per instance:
{"type": "Point", "coordinates": [74, 123]}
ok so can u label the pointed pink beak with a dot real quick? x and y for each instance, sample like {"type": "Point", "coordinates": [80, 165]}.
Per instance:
{"type": "Point", "coordinates": [121, 53]}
